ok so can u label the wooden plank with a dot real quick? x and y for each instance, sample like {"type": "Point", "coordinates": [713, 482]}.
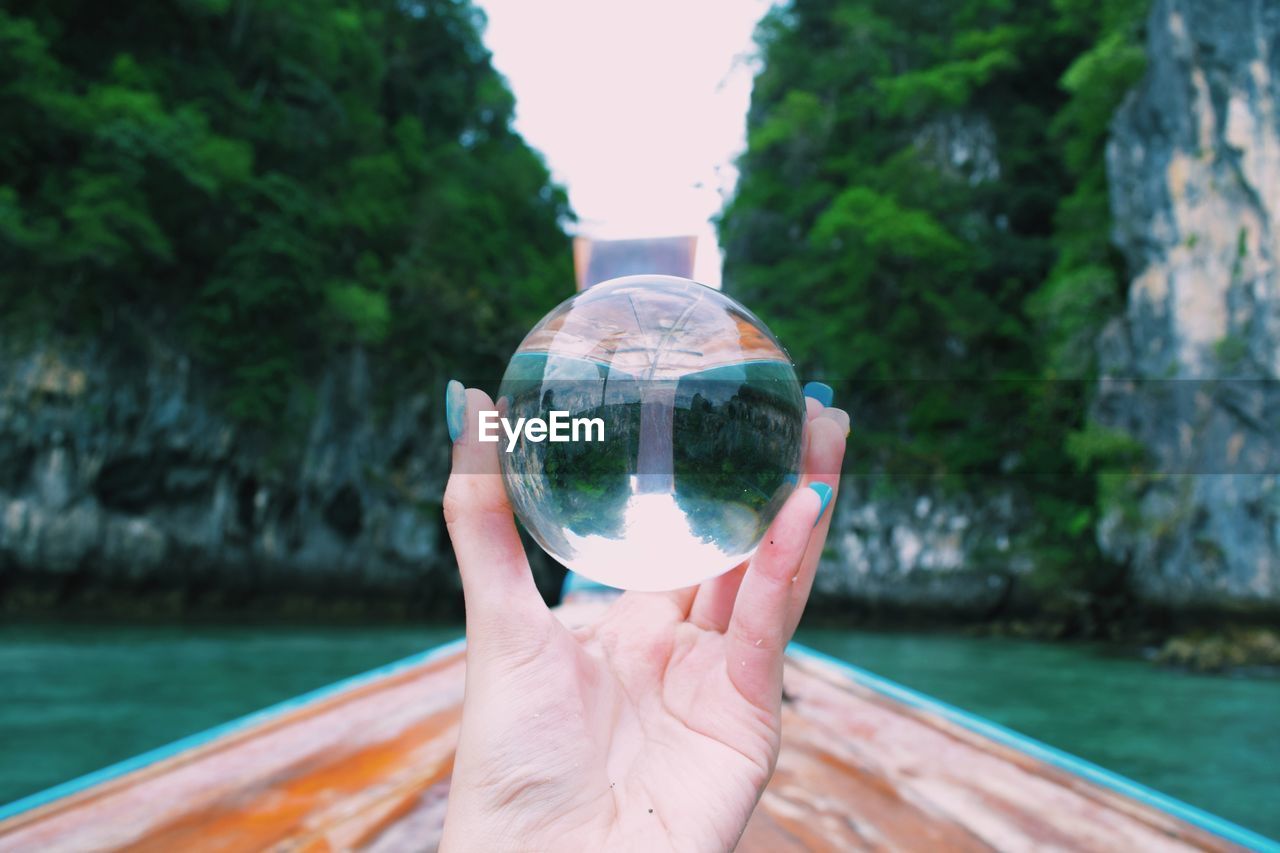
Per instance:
{"type": "Point", "coordinates": [338, 763]}
{"type": "Point", "coordinates": [368, 769]}
{"type": "Point", "coordinates": [868, 773]}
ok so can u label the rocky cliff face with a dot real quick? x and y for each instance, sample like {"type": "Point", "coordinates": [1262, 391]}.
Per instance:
{"type": "Point", "coordinates": [1190, 370]}
{"type": "Point", "coordinates": [117, 472]}
{"type": "Point", "coordinates": [917, 552]}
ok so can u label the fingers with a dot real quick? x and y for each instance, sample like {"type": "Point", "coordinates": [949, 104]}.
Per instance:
{"type": "Point", "coordinates": [812, 408]}
{"type": "Point", "coordinates": [840, 417]}
{"type": "Point", "coordinates": [756, 639]}
{"type": "Point", "coordinates": [495, 571]}
{"type": "Point", "coordinates": [824, 452]}
{"type": "Point", "coordinates": [820, 393]}
{"type": "Point", "coordinates": [682, 600]}
{"type": "Point", "coordinates": [714, 603]}
{"type": "Point", "coordinates": [824, 455]}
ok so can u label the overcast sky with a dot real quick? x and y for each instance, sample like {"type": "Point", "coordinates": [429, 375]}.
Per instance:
{"type": "Point", "coordinates": [638, 107]}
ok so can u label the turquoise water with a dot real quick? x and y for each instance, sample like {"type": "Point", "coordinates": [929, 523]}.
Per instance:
{"type": "Point", "coordinates": [1209, 740]}
{"type": "Point", "coordinates": [75, 698]}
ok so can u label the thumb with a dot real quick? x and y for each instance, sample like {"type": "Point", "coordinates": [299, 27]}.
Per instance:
{"type": "Point", "coordinates": [496, 581]}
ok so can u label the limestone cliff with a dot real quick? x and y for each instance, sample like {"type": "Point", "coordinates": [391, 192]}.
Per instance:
{"type": "Point", "coordinates": [919, 552]}
{"type": "Point", "coordinates": [1190, 369]}
{"type": "Point", "coordinates": [118, 472]}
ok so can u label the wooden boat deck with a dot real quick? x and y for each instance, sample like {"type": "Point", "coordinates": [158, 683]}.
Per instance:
{"type": "Point", "coordinates": [865, 765]}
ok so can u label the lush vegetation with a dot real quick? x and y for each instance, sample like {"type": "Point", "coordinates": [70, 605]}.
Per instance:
{"type": "Point", "coordinates": [922, 213]}
{"type": "Point", "coordinates": [922, 216]}
{"type": "Point", "coordinates": [267, 182]}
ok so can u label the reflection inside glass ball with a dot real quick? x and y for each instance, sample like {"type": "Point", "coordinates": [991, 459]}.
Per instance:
{"type": "Point", "coordinates": [702, 420]}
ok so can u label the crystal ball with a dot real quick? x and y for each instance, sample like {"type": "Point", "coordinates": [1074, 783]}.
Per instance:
{"type": "Point", "coordinates": [680, 432]}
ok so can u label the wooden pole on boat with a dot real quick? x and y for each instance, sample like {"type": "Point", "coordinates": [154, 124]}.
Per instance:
{"type": "Point", "coordinates": [595, 261]}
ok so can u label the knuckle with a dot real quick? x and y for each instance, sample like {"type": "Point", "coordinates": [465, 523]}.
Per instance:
{"type": "Point", "coordinates": [473, 494]}
{"type": "Point", "coordinates": [827, 429]}
{"type": "Point", "coordinates": [454, 503]}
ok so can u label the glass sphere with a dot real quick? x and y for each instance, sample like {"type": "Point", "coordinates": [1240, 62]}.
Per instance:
{"type": "Point", "coordinates": [701, 419]}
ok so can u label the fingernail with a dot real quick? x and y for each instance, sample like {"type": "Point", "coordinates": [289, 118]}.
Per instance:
{"type": "Point", "coordinates": [824, 493]}
{"type": "Point", "coordinates": [840, 416]}
{"type": "Point", "coordinates": [820, 391]}
{"type": "Point", "coordinates": [792, 479]}
{"type": "Point", "coordinates": [455, 408]}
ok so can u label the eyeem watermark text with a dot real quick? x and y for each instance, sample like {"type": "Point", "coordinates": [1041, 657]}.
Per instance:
{"type": "Point", "coordinates": [559, 427]}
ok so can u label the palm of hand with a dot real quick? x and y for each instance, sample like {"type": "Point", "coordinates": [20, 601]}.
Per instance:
{"type": "Point", "coordinates": [637, 733]}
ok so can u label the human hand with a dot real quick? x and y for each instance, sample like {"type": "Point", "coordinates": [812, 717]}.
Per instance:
{"type": "Point", "coordinates": [656, 728]}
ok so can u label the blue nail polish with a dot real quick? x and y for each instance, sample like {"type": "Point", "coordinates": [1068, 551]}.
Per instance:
{"type": "Point", "coordinates": [820, 391]}
{"type": "Point", "coordinates": [824, 493]}
{"type": "Point", "coordinates": [791, 478]}
{"type": "Point", "coordinates": [455, 408]}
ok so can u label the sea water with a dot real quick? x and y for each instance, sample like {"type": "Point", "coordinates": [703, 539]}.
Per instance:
{"type": "Point", "coordinates": [703, 418]}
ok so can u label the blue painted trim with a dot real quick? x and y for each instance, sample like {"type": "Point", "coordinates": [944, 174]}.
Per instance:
{"type": "Point", "coordinates": [1050, 755]}
{"type": "Point", "coordinates": [113, 771]}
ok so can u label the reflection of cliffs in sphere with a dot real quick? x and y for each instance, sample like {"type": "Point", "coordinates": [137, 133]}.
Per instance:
{"type": "Point", "coordinates": [702, 425]}
{"type": "Point", "coordinates": [733, 427]}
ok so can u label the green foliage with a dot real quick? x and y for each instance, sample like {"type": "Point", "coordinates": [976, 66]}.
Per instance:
{"type": "Point", "coordinates": [922, 213]}
{"type": "Point", "coordinates": [1084, 287]}
{"type": "Point", "coordinates": [1231, 350]}
{"type": "Point", "coordinates": [896, 209]}
{"type": "Point", "coordinates": [274, 181]}
{"type": "Point", "coordinates": [365, 312]}
{"type": "Point", "coordinates": [973, 58]}
{"type": "Point", "coordinates": [1095, 447]}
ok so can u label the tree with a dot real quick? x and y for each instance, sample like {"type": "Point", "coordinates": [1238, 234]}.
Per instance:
{"type": "Point", "coordinates": [275, 180]}
{"type": "Point", "coordinates": [904, 198]}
